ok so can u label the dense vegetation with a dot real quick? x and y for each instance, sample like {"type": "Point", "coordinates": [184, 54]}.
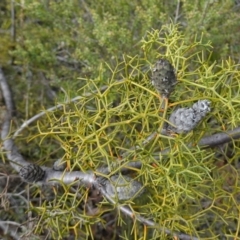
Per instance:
{"type": "Point", "coordinates": [103, 51]}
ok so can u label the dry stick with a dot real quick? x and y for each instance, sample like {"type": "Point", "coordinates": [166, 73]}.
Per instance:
{"type": "Point", "coordinates": [177, 12]}
{"type": "Point", "coordinates": [59, 106]}
{"type": "Point", "coordinates": [16, 159]}
{"type": "Point", "coordinates": [55, 177]}
{"type": "Point", "coordinates": [220, 138]}
{"type": "Point", "coordinates": [13, 28]}
{"type": "Point", "coordinates": [205, 142]}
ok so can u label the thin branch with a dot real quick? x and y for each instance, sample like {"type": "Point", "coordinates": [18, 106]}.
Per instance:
{"type": "Point", "coordinates": [6, 92]}
{"type": "Point", "coordinates": [219, 138]}
{"type": "Point", "coordinates": [13, 31]}
{"type": "Point", "coordinates": [13, 27]}
{"type": "Point", "coordinates": [59, 106]}
{"type": "Point", "coordinates": [206, 142]}
{"type": "Point", "coordinates": [16, 159]}
{"type": "Point", "coordinates": [177, 11]}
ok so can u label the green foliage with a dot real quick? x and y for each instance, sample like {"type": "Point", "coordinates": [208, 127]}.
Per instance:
{"type": "Point", "coordinates": [218, 21]}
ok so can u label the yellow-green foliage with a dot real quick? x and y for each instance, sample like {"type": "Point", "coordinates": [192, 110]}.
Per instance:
{"type": "Point", "coordinates": [186, 189]}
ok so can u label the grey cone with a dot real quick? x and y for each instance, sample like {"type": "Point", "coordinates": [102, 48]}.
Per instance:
{"type": "Point", "coordinates": [184, 120]}
{"type": "Point", "coordinates": [32, 173]}
{"type": "Point", "coordinates": [163, 77]}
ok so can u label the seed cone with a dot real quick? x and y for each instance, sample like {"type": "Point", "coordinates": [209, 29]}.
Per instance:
{"type": "Point", "coordinates": [184, 120]}
{"type": "Point", "coordinates": [163, 77]}
{"type": "Point", "coordinates": [32, 173]}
